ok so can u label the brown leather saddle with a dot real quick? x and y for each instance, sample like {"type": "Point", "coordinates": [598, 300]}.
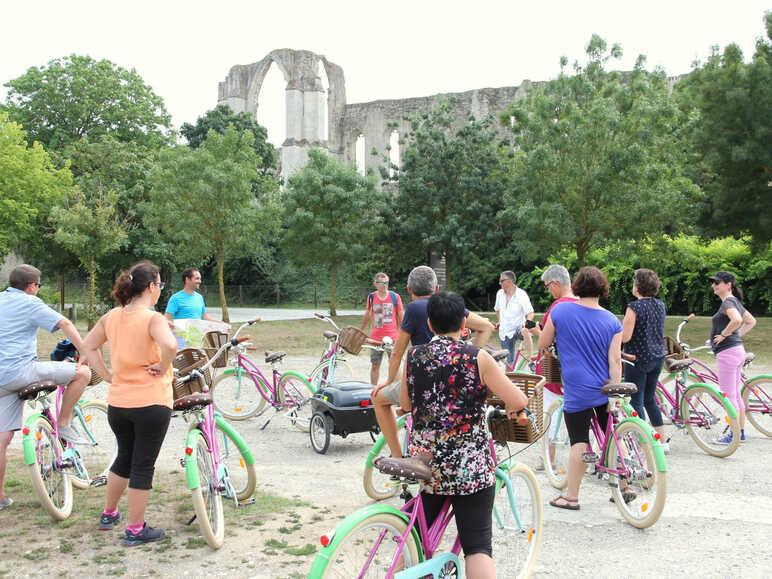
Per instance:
{"type": "Point", "coordinates": [500, 355]}
{"type": "Point", "coordinates": [678, 365]}
{"type": "Point", "coordinates": [416, 468]}
{"type": "Point", "coordinates": [619, 389]}
{"type": "Point", "coordinates": [195, 400]}
{"type": "Point", "coordinates": [31, 391]}
{"type": "Point", "coordinates": [329, 335]}
{"type": "Point", "coordinates": [274, 356]}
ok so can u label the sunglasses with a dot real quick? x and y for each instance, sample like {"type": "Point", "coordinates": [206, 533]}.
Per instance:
{"type": "Point", "coordinates": [381, 283]}
{"type": "Point", "coordinates": [161, 285]}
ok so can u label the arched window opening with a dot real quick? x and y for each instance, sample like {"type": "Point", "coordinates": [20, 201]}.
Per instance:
{"type": "Point", "coordinates": [272, 106]}
{"type": "Point", "coordinates": [360, 155]}
{"type": "Point", "coordinates": [393, 153]}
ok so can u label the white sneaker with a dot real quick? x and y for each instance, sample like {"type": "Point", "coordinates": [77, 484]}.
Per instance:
{"type": "Point", "coordinates": [69, 434]}
{"type": "Point", "coordinates": [6, 502]}
{"type": "Point", "coordinates": [666, 447]}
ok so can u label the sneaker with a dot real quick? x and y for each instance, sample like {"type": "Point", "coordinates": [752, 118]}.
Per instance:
{"type": "Point", "coordinates": [146, 535]}
{"type": "Point", "coordinates": [5, 503]}
{"type": "Point", "coordinates": [726, 439]}
{"type": "Point", "coordinates": [742, 435]}
{"type": "Point", "coordinates": [666, 447]}
{"type": "Point", "coordinates": [69, 434]}
{"type": "Point", "coordinates": [107, 522]}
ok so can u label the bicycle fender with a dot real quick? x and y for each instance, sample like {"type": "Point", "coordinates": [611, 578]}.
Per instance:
{"type": "Point", "coordinates": [347, 524]}
{"type": "Point", "coordinates": [298, 375]}
{"type": "Point", "coordinates": [730, 409]}
{"type": "Point", "coordinates": [380, 441]}
{"type": "Point", "coordinates": [28, 440]}
{"type": "Point", "coordinates": [659, 454]}
{"type": "Point", "coordinates": [191, 460]}
{"type": "Point", "coordinates": [750, 381]}
{"type": "Point", "coordinates": [236, 437]}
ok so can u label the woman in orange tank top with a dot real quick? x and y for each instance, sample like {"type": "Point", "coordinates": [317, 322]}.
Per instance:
{"type": "Point", "coordinates": [142, 348]}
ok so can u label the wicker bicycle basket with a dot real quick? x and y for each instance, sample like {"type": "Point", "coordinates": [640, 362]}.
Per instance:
{"type": "Point", "coordinates": [504, 429]}
{"type": "Point", "coordinates": [673, 351]}
{"type": "Point", "coordinates": [95, 378]}
{"type": "Point", "coordinates": [212, 342]}
{"type": "Point", "coordinates": [185, 361]}
{"type": "Point", "coordinates": [550, 369]}
{"type": "Point", "coordinates": [351, 339]}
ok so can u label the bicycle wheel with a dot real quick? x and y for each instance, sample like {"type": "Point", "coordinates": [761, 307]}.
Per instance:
{"type": "Point", "coordinates": [236, 396]}
{"type": "Point", "coordinates": [557, 435]}
{"type": "Point", "coordinates": [90, 421]}
{"type": "Point", "coordinates": [343, 373]}
{"type": "Point", "coordinates": [241, 474]}
{"type": "Point", "coordinates": [351, 553]}
{"type": "Point", "coordinates": [517, 524]}
{"type": "Point", "coordinates": [708, 419]}
{"type": "Point", "coordinates": [757, 398]}
{"type": "Point", "coordinates": [379, 486]}
{"type": "Point", "coordinates": [641, 476]}
{"type": "Point", "coordinates": [319, 432]}
{"type": "Point", "coordinates": [295, 391]}
{"type": "Point", "coordinates": [207, 501]}
{"type": "Point", "coordinates": [52, 485]}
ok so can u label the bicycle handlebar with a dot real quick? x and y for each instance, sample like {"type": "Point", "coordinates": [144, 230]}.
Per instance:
{"type": "Point", "coordinates": [685, 321]}
{"type": "Point", "coordinates": [524, 416]}
{"type": "Point", "coordinates": [199, 372]}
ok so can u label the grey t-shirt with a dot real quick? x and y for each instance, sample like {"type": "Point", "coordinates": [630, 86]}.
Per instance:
{"type": "Point", "coordinates": [721, 321]}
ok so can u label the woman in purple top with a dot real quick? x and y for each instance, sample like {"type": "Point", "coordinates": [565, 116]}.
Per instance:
{"type": "Point", "coordinates": [589, 339]}
{"type": "Point", "coordinates": [730, 323]}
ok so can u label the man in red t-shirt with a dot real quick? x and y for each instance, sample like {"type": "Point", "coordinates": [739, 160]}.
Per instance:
{"type": "Point", "coordinates": [385, 309]}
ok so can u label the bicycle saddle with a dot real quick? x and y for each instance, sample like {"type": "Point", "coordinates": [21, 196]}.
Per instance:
{"type": "Point", "coordinates": [274, 356]}
{"type": "Point", "coordinates": [749, 357]}
{"type": "Point", "coordinates": [499, 355]}
{"type": "Point", "coordinates": [620, 388]}
{"type": "Point", "coordinates": [193, 400]}
{"type": "Point", "coordinates": [30, 391]}
{"type": "Point", "coordinates": [416, 468]}
{"type": "Point", "coordinates": [678, 365]}
{"type": "Point", "coordinates": [329, 335]}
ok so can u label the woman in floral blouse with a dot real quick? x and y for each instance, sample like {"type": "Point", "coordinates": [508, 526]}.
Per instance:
{"type": "Point", "coordinates": [445, 386]}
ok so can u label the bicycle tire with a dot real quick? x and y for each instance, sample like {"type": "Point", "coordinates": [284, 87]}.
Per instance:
{"type": "Point", "coordinates": [343, 373]}
{"type": "Point", "coordinates": [319, 432]}
{"type": "Point", "coordinates": [379, 486]}
{"type": "Point", "coordinates": [237, 397]}
{"type": "Point", "coordinates": [242, 472]}
{"type": "Point", "coordinates": [757, 399]}
{"type": "Point", "coordinates": [207, 501]}
{"type": "Point", "coordinates": [296, 388]}
{"type": "Point", "coordinates": [644, 478]}
{"type": "Point", "coordinates": [556, 469]}
{"type": "Point", "coordinates": [52, 485]}
{"type": "Point", "coordinates": [90, 421]}
{"type": "Point", "coordinates": [350, 552]}
{"type": "Point", "coordinates": [516, 546]}
{"type": "Point", "coordinates": [712, 411]}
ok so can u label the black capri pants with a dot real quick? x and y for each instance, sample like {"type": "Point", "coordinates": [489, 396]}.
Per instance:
{"type": "Point", "coordinates": [139, 433]}
{"type": "Point", "coordinates": [474, 516]}
{"type": "Point", "coordinates": [578, 423]}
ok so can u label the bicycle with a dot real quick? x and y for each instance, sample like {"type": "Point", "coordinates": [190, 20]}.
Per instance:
{"type": "Point", "coordinates": [333, 362]}
{"type": "Point", "coordinates": [236, 400]}
{"type": "Point", "coordinates": [217, 460]}
{"type": "Point", "coordinates": [379, 539]}
{"type": "Point", "coordinates": [756, 392]}
{"type": "Point", "coordinates": [631, 456]}
{"type": "Point", "coordinates": [55, 465]}
{"type": "Point", "coordinates": [698, 408]}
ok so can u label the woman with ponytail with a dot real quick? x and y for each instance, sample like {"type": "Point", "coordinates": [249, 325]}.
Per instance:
{"type": "Point", "coordinates": [142, 348]}
{"type": "Point", "coordinates": [730, 323]}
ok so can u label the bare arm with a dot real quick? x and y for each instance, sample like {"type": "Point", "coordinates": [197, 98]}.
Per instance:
{"type": "Point", "coordinates": [209, 318]}
{"type": "Point", "coordinates": [69, 330]}
{"type": "Point", "coordinates": [366, 319]}
{"type": "Point", "coordinates": [403, 339]}
{"type": "Point", "coordinates": [615, 359]}
{"type": "Point", "coordinates": [481, 326]}
{"type": "Point", "coordinates": [628, 325]}
{"type": "Point", "coordinates": [748, 322]}
{"type": "Point", "coordinates": [168, 316]}
{"type": "Point", "coordinates": [404, 396]}
{"type": "Point", "coordinates": [160, 332]}
{"type": "Point", "coordinates": [547, 336]}
{"type": "Point", "coordinates": [400, 315]}
{"type": "Point", "coordinates": [497, 382]}
{"type": "Point", "coordinates": [91, 350]}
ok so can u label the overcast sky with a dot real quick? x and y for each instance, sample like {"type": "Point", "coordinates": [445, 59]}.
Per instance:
{"type": "Point", "coordinates": [390, 49]}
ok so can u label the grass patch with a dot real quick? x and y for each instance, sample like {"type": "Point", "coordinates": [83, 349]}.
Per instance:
{"type": "Point", "coordinates": [195, 543]}
{"type": "Point", "coordinates": [65, 546]}
{"type": "Point", "coordinates": [275, 544]}
{"type": "Point", "coordinates": [308, 549]}
{"type": "Point", "coordinates": [38, 554]}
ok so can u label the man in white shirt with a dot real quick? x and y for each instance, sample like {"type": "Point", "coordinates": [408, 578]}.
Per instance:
{"type": "Point", "coordinates": [513, 308]}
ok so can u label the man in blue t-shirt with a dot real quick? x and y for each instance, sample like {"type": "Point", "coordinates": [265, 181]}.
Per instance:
{"type": "Point", "coordinates": [187, 303]}
{"type": "Point", "coordinates": [421, 285]}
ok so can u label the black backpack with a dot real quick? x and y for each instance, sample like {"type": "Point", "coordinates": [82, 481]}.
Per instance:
{"type": "Point", "coordinates": [63, 351]}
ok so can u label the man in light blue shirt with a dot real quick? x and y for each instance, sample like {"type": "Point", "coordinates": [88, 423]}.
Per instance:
{"type": "Point", "coordinates": [188, 303]}
{"type": "Point", "coordinates": [22, 314]}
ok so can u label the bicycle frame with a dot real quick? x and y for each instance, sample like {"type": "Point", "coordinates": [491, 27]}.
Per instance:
{"type": "Point", "coordinates": [243, 363]}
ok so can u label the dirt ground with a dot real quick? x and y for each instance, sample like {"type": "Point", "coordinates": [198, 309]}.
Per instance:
{"type": "Point", "coordinates": [716, 522]}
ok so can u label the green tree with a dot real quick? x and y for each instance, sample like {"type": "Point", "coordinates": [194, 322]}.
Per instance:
{"type": "Point", "coordinates": [730, 107]}
{"type": "Point", "coordinates": [77, 96]}
{"type": "Point", "coordinates": [597, 156]}
{"type": "Point", "coordinates": [29, 187]}
{"type": "Point", "coordinates": [204, 199]}
{"type": "Point", "coordinates": [450, 187]}
{"type": "Point", "coordinates": [89, 226]}
{"type": "Point", "coordinates": [330, 213]}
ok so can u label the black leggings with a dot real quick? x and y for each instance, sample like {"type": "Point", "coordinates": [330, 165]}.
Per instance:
{"type": "Point", "coordinates": [474, 515]}
{"type": "Point", "coordinates": [578, 423]}
{"type": "Point", "coordinates": [140, 433]}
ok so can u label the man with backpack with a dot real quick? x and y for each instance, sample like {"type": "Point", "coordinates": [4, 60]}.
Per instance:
{"type": "Point", "coordinates": [384, 308]}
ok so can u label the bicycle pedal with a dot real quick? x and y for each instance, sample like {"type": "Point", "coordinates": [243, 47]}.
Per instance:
{"type": "Point", "coordinates": [590, 457]}
{"type": "Point", "coordinates": [99, 481]}
{"type": "Point", "coordinates": [246, 502]}
{"type": "Point", "coordinates": [182, 462]}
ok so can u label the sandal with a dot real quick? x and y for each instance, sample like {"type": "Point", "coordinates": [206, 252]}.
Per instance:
{"type": "Point", "coordinates": [627, 495]}
{"type": "Point", "coordinates": [571, 505]}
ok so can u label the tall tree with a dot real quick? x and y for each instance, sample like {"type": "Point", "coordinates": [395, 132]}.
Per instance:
{"type": "Point", "coordinates": [29, 187]}
{"type": "Point", "coordinates": [204, 198]}
{"type": "Point", "coordinates": [730, 106]}
{"type": "Point", "coordinates": [450, 187]}
{"type": "Point", "coordinates": [77, 96]}
{"type": "Point", "coordinates": [597, 156]}
{"type": "Point", "coordinates": [330, 213]}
